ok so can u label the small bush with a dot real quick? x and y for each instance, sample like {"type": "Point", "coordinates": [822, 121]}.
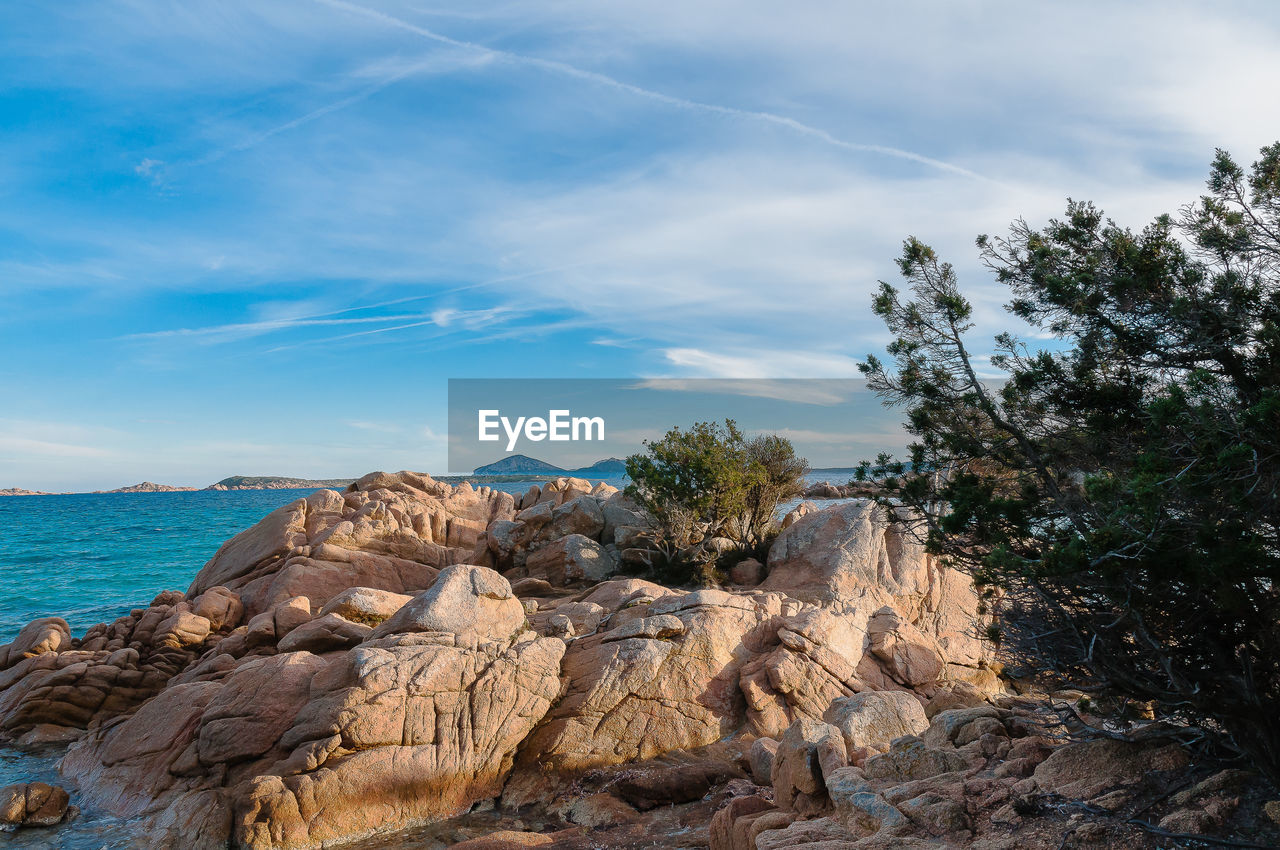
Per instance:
{"type": "Point", "coordinates": [711, 481]}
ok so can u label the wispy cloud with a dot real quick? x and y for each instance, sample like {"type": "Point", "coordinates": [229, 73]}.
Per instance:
{"type": "Point", "coordinates": [239, 330]}
{"type": "Point", "coordinates": [377, 427]}
{"type": "Point", "coordinates": [595, 77]}
{"type": "Point", "coordinates": [44, 448]}
{"type": "Point", "coordinates": [768, 364]}
{"type": "Point", "coordinates": [21, 439]}
{"type": "Point", "coordinates": [801, 391]}
{"type": "Point", "coordinates": [433, 64]}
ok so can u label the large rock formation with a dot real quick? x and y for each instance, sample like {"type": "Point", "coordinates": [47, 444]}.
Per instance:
{"type": "Point", "coordinates": [388, 656]}
{"type": "Point", "coordinates": [388, 532]}
{"type": "Point", "coordinates": [295, 749]}
{"type": "Point", "coordinates": [391, 532]}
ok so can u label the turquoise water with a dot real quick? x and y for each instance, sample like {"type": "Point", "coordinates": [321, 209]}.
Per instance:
{"type": "Point", "coordinates": [90, 558]}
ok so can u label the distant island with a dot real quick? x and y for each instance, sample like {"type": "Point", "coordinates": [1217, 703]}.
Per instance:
{"type": "Point", "coordinates": [148, 487]}
{"type": "Point", "coordinates": [524, 465]}
{"type": "Point", "coordinates": [514, 468]}
{"type": "Point", "coordinates": [276, 482]}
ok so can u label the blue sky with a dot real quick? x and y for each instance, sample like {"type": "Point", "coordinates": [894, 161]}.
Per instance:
{"type": "Point", "coordinates": [258, 237]}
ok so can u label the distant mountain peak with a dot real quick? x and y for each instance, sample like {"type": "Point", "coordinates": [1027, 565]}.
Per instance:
{"type": "Point", "coordinates": [524, 465]}
{"type": "Point", "coordinates": [519, 465]}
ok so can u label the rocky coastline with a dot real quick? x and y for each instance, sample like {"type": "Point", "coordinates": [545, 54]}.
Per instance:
{"type": "Point", "coordinates": [410, 655]}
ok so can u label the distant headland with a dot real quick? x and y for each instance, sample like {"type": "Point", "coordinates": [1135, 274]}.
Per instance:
{"type": "Point", "coordinates": [513, 468]}
{"type": "Point", "coordinates": [235, 482]}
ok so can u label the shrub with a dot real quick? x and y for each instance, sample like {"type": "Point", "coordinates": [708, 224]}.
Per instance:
{"type": "Point", "coordinates": [711, 481]}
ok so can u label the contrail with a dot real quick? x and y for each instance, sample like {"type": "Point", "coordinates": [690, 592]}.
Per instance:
{"type": "Point", "coordinates": [671, 100]}
{"type": "Point", "coordinates": [258, 139]}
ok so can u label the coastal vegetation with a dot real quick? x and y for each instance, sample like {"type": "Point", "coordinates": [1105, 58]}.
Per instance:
{"type": "Point", "coordinates": [1117, 492]}
{"type": "Point", "coordinates": [710, 481]}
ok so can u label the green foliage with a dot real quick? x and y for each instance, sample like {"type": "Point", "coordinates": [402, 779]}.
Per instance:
{"type": "Point", "coordinates": [711, 481]}
{"type": "Point", "coordinates": [1120, 489]}
{"type": "Point", "coordinates": [773, 474]}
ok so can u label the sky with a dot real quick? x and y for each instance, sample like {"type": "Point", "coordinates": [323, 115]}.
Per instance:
{"type": "Point", "coordinates": [259, 237]}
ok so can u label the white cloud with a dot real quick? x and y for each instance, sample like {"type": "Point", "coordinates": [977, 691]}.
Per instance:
{"type": "Point", "coordinates": [27, 446]}
{"type": "Point", "coordinates": [596, 78]}
{"type": "Point", "coordinates": [837, 438]}
{"type": "Point", "coordinates": [21, 440]}
{"type": "Point", "coordinates": [377, 427]}
{"type": "Point", "coordinates": [240, 330]}
{"type": "Point", "coordinates": [804, 391]}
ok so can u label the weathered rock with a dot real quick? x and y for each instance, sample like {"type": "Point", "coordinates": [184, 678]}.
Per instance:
{"type": "Point", "coordinates": [572, 558]}
{"type": "Point", "coordinates": [424, 730]}
{"type": "Point", "coordinates": [596, 810]}
{"type": "Point", "coordinates": [661, 786]}
{"type": "Point", "coordinates": [559, 625]}
{"type": "Point", "coordinates": [471, 602]}
{"type": "Point", "coordinates": [905, 652]}
{"type": "Point", "coordinates": [366, 605]}
{"type": "Point", "coordinates": [798, 781]}
{"type": "Point", "coordinates": [663, 677]}
{"type": "Point", "coordinates": [761, 756]}
{"type": "Point", "coordinates": [619, 511]}
{"type": "Point", "coordinates": [580, 515]}
{"type": "Point", "coordinates": [326, 633]}
{"type": "Point", "coordinates": [532, 587]}
{"type": "Point", "coordinates": [731, 825]}
{"type": "Point", "coordinates": [292, 751]}
{"type": "Point", "coordinates": [388, 531]}
{"type": "Point", "coordinates": [815, 834]}
{"type": "Point", "coordinates": [861, 810]}
{"type": "Point", "coordinates": [798, 513]}
{"type": "Point", "coordinates": [47, 634]}
{"type": "Point", "coordinates": [220, 606]}
{"type": "Point", "coordinates": [947, 726]}
{"type": "Point", "coordinates": [811, 657]}
{"type": "Point", "coordinates": [33, 804]}
{"type": "Point", "coordinates": [1086, 769]}
{"type": "Point", "coordinates": [289, 614]}
{"type": "Point", "coordinates": [838, 552]}
{"type": "Point", "coordinates": [183, 628]}
{"type": "Point", "coordinates": [1231, 781]}
{"type": "Point", "coordinates": [118, 666]}
{"type": "Point", "coordinates": [873, 719]}
{"type": "Point", "coordinates": [585, 617]}
{"type": "Point", "coordinates": [273, 536]}
{"type": "Point", "coordinates": [748, 572]}
{"type": "Point", "coordinates": [937, 814]}
{"type": "Point", "coordinates": [910, 758]}
{"type": "Point", "coordinates": [247, 719]}
{"type": "Point", "coordinates": [331, 569]}
{"type": "Point", "coordinates": [850, 556]}
{"type": "Point", "coordinates": [959, 695]}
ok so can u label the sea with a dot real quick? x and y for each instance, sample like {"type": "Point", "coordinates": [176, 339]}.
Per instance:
{"type": "Point", "coordinates": [92, 557]}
